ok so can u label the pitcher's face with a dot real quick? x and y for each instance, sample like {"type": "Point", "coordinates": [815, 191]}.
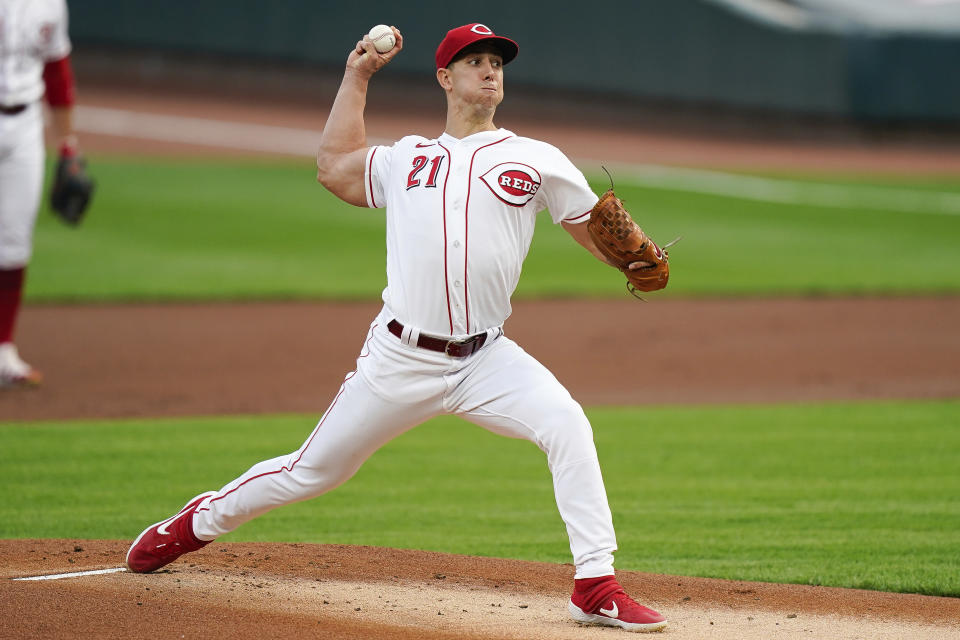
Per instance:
{"type": "Point", "coordinates": [477, 78]}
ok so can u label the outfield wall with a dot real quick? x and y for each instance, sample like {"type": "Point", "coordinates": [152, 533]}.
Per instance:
{"type": "Point", "coordinates": [695, 52]}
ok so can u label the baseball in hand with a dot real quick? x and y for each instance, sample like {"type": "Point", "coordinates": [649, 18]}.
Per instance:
{"type": "Point", "coordinates": [382, 38]}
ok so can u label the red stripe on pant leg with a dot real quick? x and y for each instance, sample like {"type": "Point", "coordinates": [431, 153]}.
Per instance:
{"type": "Point", "coordinates": [11, 292]}
{"type": "Point", "coordinates": [294, 463]}
{"type": "Point", "coordinates": [313, 435]}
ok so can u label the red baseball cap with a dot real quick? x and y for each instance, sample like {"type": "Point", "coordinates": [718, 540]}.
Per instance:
{"type": "Point", "coordinates": [461, 37]}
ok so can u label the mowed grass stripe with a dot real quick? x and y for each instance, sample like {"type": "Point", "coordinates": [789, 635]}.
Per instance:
{"type": "Point", "coordinates": [855, 495]}
{"type": "Point", "coordinates": [242, 230]}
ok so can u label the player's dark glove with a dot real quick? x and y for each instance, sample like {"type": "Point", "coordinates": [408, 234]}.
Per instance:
{"type": "Point", "coordinates": [72, 187]}
{"type": "Point", "coordinates": [623, 242]}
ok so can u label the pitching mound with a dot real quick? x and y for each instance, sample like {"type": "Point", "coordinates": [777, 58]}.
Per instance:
{"type": "Point", "coordinates": [242, 590]}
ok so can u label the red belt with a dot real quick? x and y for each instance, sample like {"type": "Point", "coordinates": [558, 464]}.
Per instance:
{"type": "Point", "coordinates": [455, 348]}
{"type": "Point", "coordinates": [12, 110]}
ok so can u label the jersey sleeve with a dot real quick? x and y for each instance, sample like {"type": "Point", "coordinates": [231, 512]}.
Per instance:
{"type": "Point", "coordinates": [58, 46]}
{"type": "Point", "coordinates": [568, 195]}
{"type": "Point", "coordinates": [377, 175]}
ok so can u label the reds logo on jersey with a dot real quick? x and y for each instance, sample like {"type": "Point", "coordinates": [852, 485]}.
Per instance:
{"type": "Point", "coordinates": [513, 182]}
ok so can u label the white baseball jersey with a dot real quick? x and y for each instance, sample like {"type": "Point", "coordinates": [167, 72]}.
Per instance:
{"type": "Point", "coordinates": [460, 219]}
{"type": "Point", "coordinates": [32, 33]}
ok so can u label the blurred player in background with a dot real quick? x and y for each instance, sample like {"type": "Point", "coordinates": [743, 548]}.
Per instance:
{"type": "Point", "coordinates": [34, 62]}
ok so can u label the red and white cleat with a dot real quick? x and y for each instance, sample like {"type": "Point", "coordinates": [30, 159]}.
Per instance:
{"type": "Point", "coordinates": [163, 542]}
{"type": "Point", "coordinates": [602, 601]}
{"type": "Point", "coordinates": [14, 372]}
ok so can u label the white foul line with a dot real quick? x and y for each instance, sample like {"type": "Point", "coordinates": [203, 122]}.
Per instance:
{"type": "Point", "coordinates": [246, 136]}
{"type": "Point", "coordinates": [303, 142]}
{"type": "Point", "coordinates": [75, 574]}
{"type": "Point", "coordinates": [200, 131]}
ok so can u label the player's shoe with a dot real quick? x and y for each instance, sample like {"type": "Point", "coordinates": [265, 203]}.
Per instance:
{"type": "Point", "coordinates": [163, 542]}
{"type": "Point", "coordinates": [14, 372]}
{"type": "Point", "coordinates": [602, 601]}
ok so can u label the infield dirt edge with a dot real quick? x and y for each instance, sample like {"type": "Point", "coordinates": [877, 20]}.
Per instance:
{"type": "Point", "coordinates": [248, 589]}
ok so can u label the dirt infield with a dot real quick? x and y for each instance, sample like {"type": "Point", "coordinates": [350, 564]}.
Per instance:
{"type": "Point", "coordinates": [169, 360]}
{"type": "Point", "coordinates": [108, 361]}
{"type": "Point", "coordinates": [111, 361]}
{"type": "Point", "coordinates": [328, 591]}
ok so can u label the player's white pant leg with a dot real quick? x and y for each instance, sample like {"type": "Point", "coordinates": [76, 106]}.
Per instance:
{"type": "Point", "coordinates": [358, 422]}
{"type": "Point", "coordinates": [21, 182]}
{"type": "Point", "coordinates": [507, 391]}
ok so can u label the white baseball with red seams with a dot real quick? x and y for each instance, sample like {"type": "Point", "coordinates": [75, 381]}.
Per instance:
{"type": "Point", "coordinates": [382, 38]}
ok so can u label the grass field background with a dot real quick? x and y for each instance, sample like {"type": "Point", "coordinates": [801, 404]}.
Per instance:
{"type": "Point", "coordinates": [857, 495]}
{"type": "Point", "coordinates": [168, 230]}
{"type": "Point", "coordinates": [860, 495]}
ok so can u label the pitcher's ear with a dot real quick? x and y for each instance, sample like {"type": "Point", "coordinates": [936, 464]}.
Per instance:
{"type": "Point", "coordinates": [443, 77]}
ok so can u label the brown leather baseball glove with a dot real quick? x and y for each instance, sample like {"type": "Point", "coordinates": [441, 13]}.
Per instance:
{"type": "Point", "coordinates": [623, 242]}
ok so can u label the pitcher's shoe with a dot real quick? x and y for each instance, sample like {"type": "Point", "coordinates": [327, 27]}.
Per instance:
{"type": "Point", "coordinates": [14, 372]}
{"type": "Point", "coordinates": [603, 601]}
{"type": "Point", "coordinates": [163, 542]}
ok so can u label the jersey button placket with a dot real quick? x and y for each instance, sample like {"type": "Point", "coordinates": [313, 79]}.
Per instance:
{"type": "Point", "coordinates": [456, 232]}
{"type": "Point", "coordinates": [455, 277]}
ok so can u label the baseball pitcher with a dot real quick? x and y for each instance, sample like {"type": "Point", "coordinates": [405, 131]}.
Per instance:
{"type": "Point", "coordinates": [460, 210]}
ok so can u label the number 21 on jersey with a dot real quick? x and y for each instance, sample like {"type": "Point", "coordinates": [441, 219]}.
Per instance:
{"type": "Point", "coordinates": [419, 164]}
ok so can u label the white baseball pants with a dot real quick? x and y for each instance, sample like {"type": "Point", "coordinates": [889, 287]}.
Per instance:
{"type": "Point", "coordinates": [21, 181]}
{"type": "Point", "coordinates": [396, 387]}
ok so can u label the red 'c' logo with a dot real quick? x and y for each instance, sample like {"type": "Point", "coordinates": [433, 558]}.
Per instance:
{"type": "Point", "coordinates": [46, 32]}
{"type": "Point", "coordinates": [482, 29]}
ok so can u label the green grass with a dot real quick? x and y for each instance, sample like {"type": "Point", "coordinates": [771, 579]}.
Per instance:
{"type": "Point", "coordinates": [193, 230]}
{"type": "Point", "coordinates": [169, 230]}
{"type": "Point", "coordinates": [855, 495]}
